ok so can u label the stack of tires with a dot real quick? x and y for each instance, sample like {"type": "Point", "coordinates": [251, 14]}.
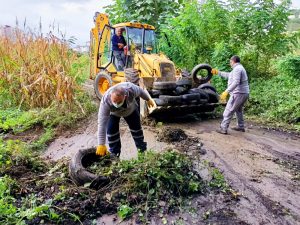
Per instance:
{"type": "Point", "coordinates": [171, 93]}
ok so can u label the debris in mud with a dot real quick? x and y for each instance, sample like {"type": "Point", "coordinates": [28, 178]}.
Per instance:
{"type": "Point", "coordinates": [223, 216]}
{"type": "Point", "coordinates": [168, 134]}
{"type": "Point", "coordinates": [292, 164]}
{"type": "Point", "coordinates": [191, 146]}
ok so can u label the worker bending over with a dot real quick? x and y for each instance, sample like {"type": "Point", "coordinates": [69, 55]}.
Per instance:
{"type": "Point", "coordinates": [238, 88]}
{"type": "Point", "coordinates": [120, 101]}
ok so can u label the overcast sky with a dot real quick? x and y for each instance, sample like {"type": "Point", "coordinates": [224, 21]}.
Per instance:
{"type": "Point", "coordinates": [75, 17]}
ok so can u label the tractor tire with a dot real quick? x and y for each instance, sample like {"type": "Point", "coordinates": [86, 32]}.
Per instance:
{"type": "Point", "coordinates": [171, 100]}
{"type": "Point", "coordinates": [213, 97]}
{"type": "Point", "coordinates": [78, 172]}
{"type": "Point", "coordinates": [184, 82]}
{"type": "Point", "coordinates": [202, 80]}
{"type": "Point", "coordinates": [207, 86]}
{"type": "Point", "coordinates": [101, 84]}
{"type": "Point", "coordinates": [164, 85]}
{"type": "Point", "coordinates": [132, 75]}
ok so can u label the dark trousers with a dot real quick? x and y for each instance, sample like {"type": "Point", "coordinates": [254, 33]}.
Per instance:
{"type": "Point", "coordinates": [113, 132]}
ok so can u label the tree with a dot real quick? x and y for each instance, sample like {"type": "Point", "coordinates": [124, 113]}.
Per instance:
{"type": "Point", "coordinates": [213, 31]}
{"type": "Point", "coordinates": [153, 12]}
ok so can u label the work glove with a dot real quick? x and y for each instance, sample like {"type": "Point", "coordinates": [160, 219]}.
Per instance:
{"type": "Point", "coordinates": [223, 97]}
{"type": "Point", "coordinates": [151, 103]}
{"type": "Point", "coordinates": [214, 71]}
{"type": "Point", "coordinates": [101, 150]}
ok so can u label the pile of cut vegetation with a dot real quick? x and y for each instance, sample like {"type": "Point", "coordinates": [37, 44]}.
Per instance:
{"type": "Point", "coordinates": [35, 192]}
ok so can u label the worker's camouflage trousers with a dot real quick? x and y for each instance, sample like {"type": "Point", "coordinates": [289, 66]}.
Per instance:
{"type": "Point", "coordinates": [113, 132]}
{"type": "Point", "coordinates": [234, 105]}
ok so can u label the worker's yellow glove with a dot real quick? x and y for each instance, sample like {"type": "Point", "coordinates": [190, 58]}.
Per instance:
{"type": "Point", "coordinates": [151, 103]}
{"type": "Point", "coordinates": [214, 71]}
{"type": "Point", "coordinates": [101, 150]}
{"type": "Point", "coordinates": [223, 97]}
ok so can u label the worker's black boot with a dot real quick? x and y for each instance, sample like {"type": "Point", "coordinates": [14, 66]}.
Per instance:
{"type": "Point", "coordinates": [240, 129]}
{"type": "Point", "coordinates": [221, 131]}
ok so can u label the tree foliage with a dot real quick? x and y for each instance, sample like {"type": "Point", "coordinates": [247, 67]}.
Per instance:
{"type": "Point", "coordinates": [153, 12]}
{"type": "Point", "coordinates": [213, 31]}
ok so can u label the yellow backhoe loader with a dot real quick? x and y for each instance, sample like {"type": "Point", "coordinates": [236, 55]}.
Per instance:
{"type": "Point", "coordinates": [171, 88]}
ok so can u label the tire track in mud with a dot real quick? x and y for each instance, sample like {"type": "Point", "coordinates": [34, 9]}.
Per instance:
{"type": "Point", "coordinates": [246, 156]}
{"type": "Point", "coordinates": [274, 210]}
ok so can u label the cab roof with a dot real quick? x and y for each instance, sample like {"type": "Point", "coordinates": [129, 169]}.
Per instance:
{"type": "Point", "coordinates": [135, 25]}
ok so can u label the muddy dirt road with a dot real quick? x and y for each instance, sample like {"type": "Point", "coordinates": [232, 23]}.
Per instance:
{"type": "Point", "coordinates": [263, 166]}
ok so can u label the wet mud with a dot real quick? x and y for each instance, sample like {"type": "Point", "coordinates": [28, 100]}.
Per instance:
{"type": "Point", "coordinates": [261, 165]}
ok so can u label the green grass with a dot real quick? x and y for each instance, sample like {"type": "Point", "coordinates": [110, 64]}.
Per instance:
{"type": "Point", "coordinates": [276, 100]}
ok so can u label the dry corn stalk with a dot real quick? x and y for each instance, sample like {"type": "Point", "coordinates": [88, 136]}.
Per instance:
{"type": "Point", "coordinates": [35, 69]}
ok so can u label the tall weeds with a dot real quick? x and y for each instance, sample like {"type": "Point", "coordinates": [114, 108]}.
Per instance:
{"type": "Point", "coordinates": [35, 69]}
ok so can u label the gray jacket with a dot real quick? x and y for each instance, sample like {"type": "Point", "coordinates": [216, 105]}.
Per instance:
{"type": "Point", "coordinates": [237, 80]}
{"type": "Point", "coordinates": [107, 108]}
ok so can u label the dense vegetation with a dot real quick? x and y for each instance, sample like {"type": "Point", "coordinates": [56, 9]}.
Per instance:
{"type": "Point", "coordinates": [213, 31]}
{"type": "Point", "coordinates": [40, 91]}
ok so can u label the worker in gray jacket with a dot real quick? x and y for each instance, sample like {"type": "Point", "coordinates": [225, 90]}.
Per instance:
{"type": "Point", "coordinates": [238, 88]}
{"type": "Point", "coordinates": [120, 101]}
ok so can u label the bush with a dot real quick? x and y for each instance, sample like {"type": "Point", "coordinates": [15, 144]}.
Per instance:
{"type": "Point", "coordinates": [275, 99]}
{"type": "Point", "coordinates": [289, 66]}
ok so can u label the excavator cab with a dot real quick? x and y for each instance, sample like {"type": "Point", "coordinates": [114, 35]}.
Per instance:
{"type": "Point", "coordinates": [144, 65]}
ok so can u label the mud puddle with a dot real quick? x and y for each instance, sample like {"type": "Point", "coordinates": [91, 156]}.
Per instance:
{"type": "Point", "coordinates": [262, 165]}
{"type": "Point", "coordinates": [86, 137]}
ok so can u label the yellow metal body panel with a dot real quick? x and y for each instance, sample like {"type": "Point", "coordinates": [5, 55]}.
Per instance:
{"type": "Point", "coordinates": [135, 24]}
{"type": "Point", "coordinates": [97, 46]}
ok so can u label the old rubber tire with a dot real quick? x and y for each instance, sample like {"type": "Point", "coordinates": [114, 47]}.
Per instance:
{"type": "Point", "coordinates": [180, 90]}
{"type": "Point", "coordinates": [101, 84]}
{"type": "Point", "coordinates": [203, 94]}
{"type": "Point", "coordinates": [132, 75]}
{"type": "Point", "coordinates": [191, 97]}
{"type": "Point", "coordinates": [171, 100]}
{"type": "Point", "coordinates": [155, 93]}
{"type": "Point", "coordinates": [213, 97]}
{"type": "Point", "coordinates": [202, 80]}
{"type": "Point", "coordinates": [207, 86]}
{"type": "Point", "coordinates": [184, 82]}
{"type": "Point", "coordinates": [78, 172]}
{"type": "Point", "coordinates": [164, 85]}
{"type": "Point", "coordinates": [160, 102]}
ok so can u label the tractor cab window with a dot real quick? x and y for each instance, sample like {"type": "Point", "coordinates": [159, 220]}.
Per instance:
{"type": "Point", "coordinates": [135, 39]}
{"type": "Point", "coordinates": [150, 44]}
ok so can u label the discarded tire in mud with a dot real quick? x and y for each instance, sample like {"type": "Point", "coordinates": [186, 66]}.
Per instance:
{"type": "Point", "coordinates": [164, 85]}
{"type": "Point", "coordinates": [78, 172]}
{"type": "Point", "coordinates": [204, 79]}
{"type": "Point", "coordinates": [213, 97]}
{"type": "Point", "coordinates": [207, 86]}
